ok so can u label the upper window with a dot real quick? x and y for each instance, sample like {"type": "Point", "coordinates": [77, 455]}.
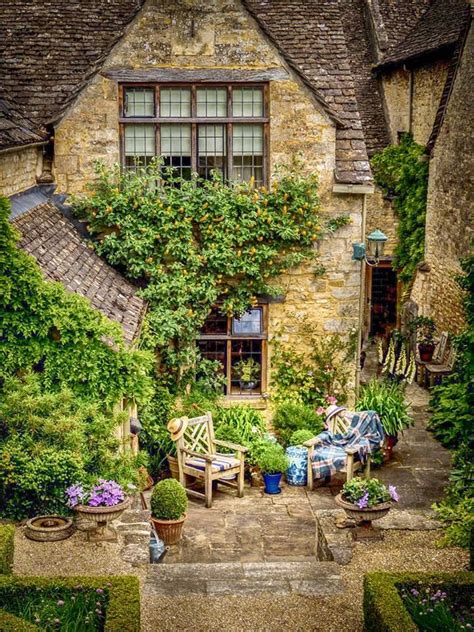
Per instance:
{"type": "Point", "coordinates": [197, 128]}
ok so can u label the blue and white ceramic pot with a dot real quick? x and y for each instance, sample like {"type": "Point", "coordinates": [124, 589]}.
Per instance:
{"type": "Point", "coordinates": [297, 472]}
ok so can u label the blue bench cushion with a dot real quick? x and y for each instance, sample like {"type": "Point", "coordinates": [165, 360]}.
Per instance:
{"type": "Point", "coordinates": [219, 464]}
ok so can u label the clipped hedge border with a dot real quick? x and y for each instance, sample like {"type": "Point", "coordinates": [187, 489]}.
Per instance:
{"type": "Point", "coordinates": [7, 534]}
{"type": "Point", "coordinates": [384, 610]}
{"type": "Point", "coordinates": [123, 609]}
{"type": "Point", "coordinates": [10, 623]}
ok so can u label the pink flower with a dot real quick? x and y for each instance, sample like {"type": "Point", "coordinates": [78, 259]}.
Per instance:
{"type": "Point", "coordinates": [331, 400]}
{"type": "Point", "coordinates": [393, 493]}
{"type": "Point", "coordinates": [320, 410]}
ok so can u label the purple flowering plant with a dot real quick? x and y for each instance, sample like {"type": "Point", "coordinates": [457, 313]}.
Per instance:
{"type": "Point", "coordinates": [434, 610]}
{"type": "Point", "coordinates": [368, 492]}
{"type": "Point", "coordinates": [103, 493]}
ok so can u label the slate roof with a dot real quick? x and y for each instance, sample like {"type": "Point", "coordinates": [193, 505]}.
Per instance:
{"type": "Point", "coordinates": [397, 17]}
{"type": "Point", "coordinates": [65, 257]}
{"type": "Point", "coordinates": [50, 48]}
{"type": "Point", "coordinates": [15, 128]}
{"type": "Point", "coordinates": [438, 30]}
{"type": "Point", "coordinates": [310, 36]}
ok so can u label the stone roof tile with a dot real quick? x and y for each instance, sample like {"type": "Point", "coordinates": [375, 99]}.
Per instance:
{"type": "Point", "coordinates": [64, 256]}
{"type": "Point", "coordinates": [15, 127]}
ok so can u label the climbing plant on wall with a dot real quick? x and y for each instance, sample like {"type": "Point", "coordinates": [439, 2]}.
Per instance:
{"type": "Point", "coordinates": [402, 172]}
{"type": "Point", "coordinates": [59, 335]}
{"type": "Point", "coordinates": [193, 243]}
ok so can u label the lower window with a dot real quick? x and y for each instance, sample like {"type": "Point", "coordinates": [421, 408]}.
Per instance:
{"type": "Point", "coordinates": [240, 347]}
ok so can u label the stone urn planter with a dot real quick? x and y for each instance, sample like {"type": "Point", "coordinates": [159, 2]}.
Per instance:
{"type": "Point", "coordinates": [364, 517]}
{"type": "Point", "coordinates": [95, 520]}
{"type": "Point", "coordinates": [49, 528]}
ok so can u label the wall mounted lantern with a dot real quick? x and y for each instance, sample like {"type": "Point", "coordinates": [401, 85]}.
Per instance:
{"type": "Point", "coordinates": [374, 251]}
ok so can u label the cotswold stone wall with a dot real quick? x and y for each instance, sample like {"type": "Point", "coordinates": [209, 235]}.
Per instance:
{"type": "Point", "coordinates": [380, 214]}
{"type": "Point", "coordinates": [226, 37]}
{"type": "Point", "coordinates": [450, 210]}
{"type": "Point", "coordinates": [428, 84]}
{"type": "Point", "coordinates": [18, 169]}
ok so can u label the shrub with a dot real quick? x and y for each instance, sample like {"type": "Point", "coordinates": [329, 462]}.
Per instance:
{"type": "Point", "coordinates": [121, 595]}
{"type": "Point", "coordinates": [291, 416]}
{"type": "Point", "coordinates": [168, 500]}
{"type": "Point", "coordinates": [272, 459]}
{"type": "Point", "coordinates": [301, 436]}
{"type": "Point", "coordinates": [7, 534]}
{"type": "Point", "coordinates": [384, 609]}
{"type": "Point", "coordinates": [388, 400]}
{"type": "Point", "coordinates": [243, 425]}
{"type": "Point", "coordinates": [48, 442]}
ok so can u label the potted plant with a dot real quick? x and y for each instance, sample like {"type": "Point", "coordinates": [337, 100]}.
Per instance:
{"type": "Point", "coordinates": [425, 330]}
{"type": "Point", "coordinates": [168, 510]}
{"type": "Point", "coordinates": [248, 372]}
{"type": "Point", "coordinates": [297, 453]}
{"type": "Point", "coordinates": [96, 506]}
{"type": "Point", "coordinates": [273, 461]}
{"type": "Point", "coordinates": [365, 500]}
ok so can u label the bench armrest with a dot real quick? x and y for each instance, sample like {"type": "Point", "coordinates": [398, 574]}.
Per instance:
{"type": "Point", "coordinates": [352, 450]}
{"type": "Point", "coordinates": [231, 446]}
{"type": "Point", "coordinates": [312, 442]}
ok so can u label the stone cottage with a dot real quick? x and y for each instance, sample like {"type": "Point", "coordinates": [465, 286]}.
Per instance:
{"type": "Point", "coordinates": [238, 86]}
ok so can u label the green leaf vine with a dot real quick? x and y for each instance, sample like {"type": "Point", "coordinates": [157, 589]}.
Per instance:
{"type": "Point", "coordinates": [402, 172]}
{"type": "Point", "coordinates": [57, 334]}
{"type": "Point", "coordinates": [196, 243]}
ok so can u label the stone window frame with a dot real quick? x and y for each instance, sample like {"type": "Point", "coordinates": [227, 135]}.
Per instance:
{"type": "Point", "coordinates": [229, 338]}
{"type": "Point", "coordinates": [194, 121]}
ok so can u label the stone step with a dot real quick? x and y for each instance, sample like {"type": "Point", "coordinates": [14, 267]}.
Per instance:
{"type": "Point", "coordinates": [245, 578]}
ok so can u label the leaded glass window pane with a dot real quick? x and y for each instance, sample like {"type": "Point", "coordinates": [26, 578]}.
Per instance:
{"type": "Point", "coordinates": [247, 150]}
{"type": "Point", "coordinates": [211, 149]}
{"type": "Point", "coordinates": [175, 102]}
{"type": "Point", "coordinates": [176, 148]}
{"type": "Point", "coordinates": [139, 102]}
{"type": "Point", "coordinates": [247, 102]}
{"type": "Point", "coordinates": [211, 102]}
{"type": "Point", "coordinates": [140, 146]}
{"type": "Point", "coordinates": [248, 323]}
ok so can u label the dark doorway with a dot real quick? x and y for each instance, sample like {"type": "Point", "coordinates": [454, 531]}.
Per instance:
{"type": "Point", "coordinates": [383, 300]}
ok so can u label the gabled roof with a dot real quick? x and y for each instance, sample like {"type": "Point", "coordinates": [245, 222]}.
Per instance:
{"type": "Point", "coordinates": [15, 128]}
{"type": "Point", "coordinates": [310, 36]}
{"type": "Point", "coordinates": [49, 49]}
{"type": "Point", "coordinates": [396, 18]}
{"type": "Point", "coordinates": [64, 256]}
{"type": "Point", "coordinates": [437, 31]}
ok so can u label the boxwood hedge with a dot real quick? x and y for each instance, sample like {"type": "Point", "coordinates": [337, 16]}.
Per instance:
{"type": "Point", "coordinates": [7, 533]}
{"type": "Point", "coordinates": [384, 610]}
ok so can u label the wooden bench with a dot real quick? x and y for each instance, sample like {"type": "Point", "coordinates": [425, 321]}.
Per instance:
{"type": "Point", "coordinates": [438, 357]}
{"type": "Point", "coordinates": [338, 425]}
{"type": "Point", "coordinates": [435, 372]}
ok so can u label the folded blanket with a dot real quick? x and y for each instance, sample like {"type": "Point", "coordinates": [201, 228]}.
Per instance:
{"type": "Point", "coordinates": [365, 434]}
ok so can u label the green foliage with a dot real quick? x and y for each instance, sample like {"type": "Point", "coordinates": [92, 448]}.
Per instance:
{"type": "Point", "coordinates": [425, 328]}
{"type": "Point", "coordinates": [168, 500]}
{"type": "Point", "coordinates": [242, 425]}
{"type": "Point", "coordinates": [301, 436]}
{"type": "Point", "coordinates": [194, 243]}
{"type": "Point", "coordinates": [49, 441]}
{"type": "Point", "coordinates": [310, 375]}
{"type": "Point", "coordinates": [384, 609]}
{"type": "Point", "coordinates": [291, 415]}
{"type": "Point", "coordinates": [272, 458]}
{"type": "Point", "coordinates": [388, 400]}
{"type": "Point", "coordinates": [452, 424]}
{"type": "Point", "coordinates": [121, 595]}
{"type": "Point", "coordinates": [155, 438]}
{"type": "Point", "coordinates": [58, 334]}
{"type": "Point", "coordinates": [373, 489]}
{"type": "Point", "coordinates": [7, 534]}
{"type": "Point", "coordinates": [247, 370]}
{"type": "Point", "coordinates": [402, 171]}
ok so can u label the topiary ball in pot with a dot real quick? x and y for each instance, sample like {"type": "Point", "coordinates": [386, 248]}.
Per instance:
{"type": "Point", "coordinates": [168, 510]}
{"type": "Point", "coordinates": [272, 461]}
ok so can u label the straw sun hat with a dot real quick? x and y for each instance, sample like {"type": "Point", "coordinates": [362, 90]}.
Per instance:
{"type": "Point", "coordinates": [176, 427]}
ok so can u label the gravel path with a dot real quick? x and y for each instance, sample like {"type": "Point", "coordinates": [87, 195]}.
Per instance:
{"type": "Point", "coordinates": [400, 551]}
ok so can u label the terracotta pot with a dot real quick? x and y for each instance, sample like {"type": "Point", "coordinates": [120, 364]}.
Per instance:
{"type": "Point", "coordinates": [95, 520]}
{"type": "Point", "coordinates": [389, 443]}
{"type": "Point", "coordinates": [366, 515]}
{"type": "Point", "coordinates": [426, 352]}
{"type": "Point", "coordinates": [170, 531]}
{"type": "Point", "coordinates": [174, 471]}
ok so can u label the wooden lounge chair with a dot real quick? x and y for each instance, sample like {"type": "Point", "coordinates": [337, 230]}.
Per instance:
{"type": "Point", "coordinates": [338, 425]}
{"type": "Point", "coordinates": [197, 456]}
